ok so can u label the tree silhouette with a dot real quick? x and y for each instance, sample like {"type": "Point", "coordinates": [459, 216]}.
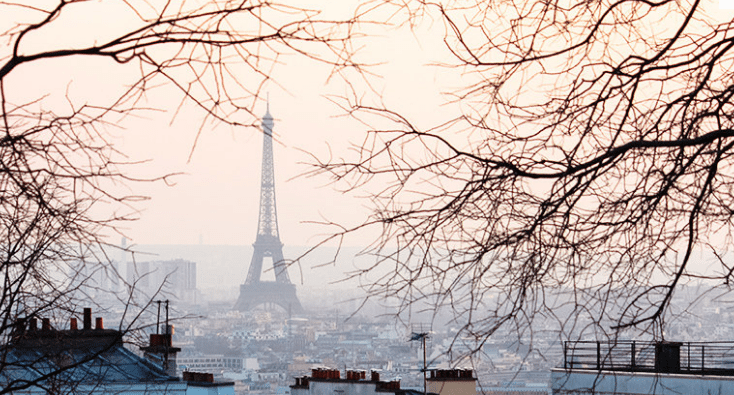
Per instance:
{"type": "Point", "coordinates": [590, 159]}
{"type": "Point", "coordinates": [56, 161]}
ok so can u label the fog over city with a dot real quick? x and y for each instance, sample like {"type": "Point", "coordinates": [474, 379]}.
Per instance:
{"type": "Point", "coordinates": [366, 197]}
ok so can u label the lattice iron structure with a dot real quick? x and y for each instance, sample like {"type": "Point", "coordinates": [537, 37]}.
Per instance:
{"type": "Point", "coordinates": [255, 292]}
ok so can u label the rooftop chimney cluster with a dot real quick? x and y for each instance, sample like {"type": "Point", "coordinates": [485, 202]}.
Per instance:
{"type": "Point", "coordinates": [356, 375]}
{"type": "Point", "coordinates": [302, 381]}
{"type": "Point", "coordinates": [27, 334]}
{"type": "Point", "coordinates": [326, 374]}
{"type": "Point", "coordinates": [388, 385]}
{"type": "Point", "coordinates": [452, 374]}
{"type": "Point", "coordinates": [29, 326]}
{"type": "Point", "coordinates": [163, 340]}
{"type": "Point", "coordinates": [351, 375]}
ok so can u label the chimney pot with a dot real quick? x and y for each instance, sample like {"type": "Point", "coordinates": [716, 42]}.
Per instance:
{"type": "Point", "coordinates": [87, 318]}
{"type": "Point", "coordinates": [72, 324]}
{"type": "Point", "coordinates": [33, 324]}
{"type": "Point", "coordinates": [99, 323]}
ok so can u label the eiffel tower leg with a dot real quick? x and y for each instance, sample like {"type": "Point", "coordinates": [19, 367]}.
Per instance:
{"type": "Point", "coordinates": [280, 267]}
{"type": "Point", "coordinates": [256, 266]}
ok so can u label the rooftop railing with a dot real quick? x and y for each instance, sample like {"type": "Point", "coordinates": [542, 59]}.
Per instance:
{"type": "Point", "coordinates": [715, 358]}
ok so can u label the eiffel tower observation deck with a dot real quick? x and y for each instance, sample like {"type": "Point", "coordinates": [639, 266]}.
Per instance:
{"type": "Point", "coordinates": [255, 292]}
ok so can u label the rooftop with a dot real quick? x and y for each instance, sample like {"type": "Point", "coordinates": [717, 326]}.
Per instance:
{"type": "Point", "coordinates": [36, 359]}
{"type": "Point", "coordinates": [34, 355]}
{"type": "Point", "coordinates": [705, 358]}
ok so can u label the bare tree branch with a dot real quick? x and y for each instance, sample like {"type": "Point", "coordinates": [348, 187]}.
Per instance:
{"type": "Point", "coordinates": [588, 165]}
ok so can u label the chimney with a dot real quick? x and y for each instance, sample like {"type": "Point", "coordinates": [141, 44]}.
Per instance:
{"type": "Point", "coordinates": [198, 377]}
{"type": "Point", "coordinates": [19, 329]}
{"type": "Point", "coordinates": [72, 324]}
{"type": "Point", "coordinates": [99, 324]}
{"type": "Point", "coordinates": [667, 357]}
{"type": "Point", "coordinates": [33, 324]}
{"type": "Point", "coordinates": [87, 318]}
{"type": "Point", "coordinates": [161, 352]}
{"type": "Point", "coordinates": [46, 324]}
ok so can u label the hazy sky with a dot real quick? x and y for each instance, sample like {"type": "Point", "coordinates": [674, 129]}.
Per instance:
{"type": "Point", "coordinates": [216, 200]}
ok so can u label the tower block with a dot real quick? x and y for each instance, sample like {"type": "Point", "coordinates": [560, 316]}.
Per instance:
{"type": "Point", "coordinates": [255, 292]}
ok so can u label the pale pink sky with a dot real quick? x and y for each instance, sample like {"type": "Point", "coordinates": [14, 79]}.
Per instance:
{"type": "Point", "coordinates": [216, 200]}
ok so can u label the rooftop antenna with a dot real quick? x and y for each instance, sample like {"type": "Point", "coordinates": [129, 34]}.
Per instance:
{"type": "Point", "coordinates": [168, 336]}
{"type": "Point", "coordinates": [158, 319]}
{"type": "Point", "coordinates": [422, 337]}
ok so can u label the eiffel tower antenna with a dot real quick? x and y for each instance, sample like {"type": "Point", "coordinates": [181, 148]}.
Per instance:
{"type": "Point", "coordinates": [255, 292]}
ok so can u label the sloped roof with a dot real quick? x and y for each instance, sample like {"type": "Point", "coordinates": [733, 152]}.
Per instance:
{"type": "Point", "coordinates": [85, 357]}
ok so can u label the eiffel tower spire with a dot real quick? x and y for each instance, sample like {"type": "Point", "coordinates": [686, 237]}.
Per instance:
{"type": "Point", "coordinates": [267, 223]}
{"type": "Point", "coordinates": [255, 292]}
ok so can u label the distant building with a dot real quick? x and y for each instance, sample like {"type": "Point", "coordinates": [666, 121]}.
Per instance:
{"type": "Point", "coordinates": [94, 361]}
{"type": "Point", "coordinates": [97, 278]}
{"type": "Point", "coordinates": [645, 368]}
{"type": "Point", "coordinates": [138, 275]}
{"type": "Point", "coordinates": [177, 278]}
{"type": "Point", "coordinates": [217, 363]}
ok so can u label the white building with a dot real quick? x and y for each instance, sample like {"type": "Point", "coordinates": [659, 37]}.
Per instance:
{"type": "Point", "coordinates": [645, 368]}
{"type": "Point", "coordinates": [217, 363]}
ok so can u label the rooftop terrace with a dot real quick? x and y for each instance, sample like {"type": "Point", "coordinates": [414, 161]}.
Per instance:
{"type": "Point", "coordinates": [710, 358]}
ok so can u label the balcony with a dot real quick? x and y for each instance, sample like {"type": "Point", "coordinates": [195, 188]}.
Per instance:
{"type": "Point", "coordinates": [706, 358]}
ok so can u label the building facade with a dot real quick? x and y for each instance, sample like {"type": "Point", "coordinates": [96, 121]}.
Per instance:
{"type": "Point", "coordinates": [452, 382]}
{"type": "Point", "coordinates": [176, 278]}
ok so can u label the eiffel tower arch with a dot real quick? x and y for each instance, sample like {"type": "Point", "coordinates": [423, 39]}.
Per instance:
{"type": "Point", "coordinates": [255, 292]}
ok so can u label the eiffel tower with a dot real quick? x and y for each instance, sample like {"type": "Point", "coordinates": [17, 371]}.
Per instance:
{"type": "Point", "coordinates": [255, 292]}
